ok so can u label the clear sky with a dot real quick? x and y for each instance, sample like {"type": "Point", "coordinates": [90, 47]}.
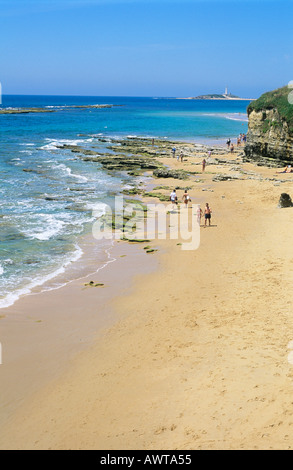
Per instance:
{"type": "Point", "coordinates": [145, 47]}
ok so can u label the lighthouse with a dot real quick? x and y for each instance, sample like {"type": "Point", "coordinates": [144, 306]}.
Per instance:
{"type": "Point", "coordinates": [226, 91]}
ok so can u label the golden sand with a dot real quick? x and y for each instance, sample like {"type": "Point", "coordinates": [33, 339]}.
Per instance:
{"type": "Point", "coordinates": [199, 354]}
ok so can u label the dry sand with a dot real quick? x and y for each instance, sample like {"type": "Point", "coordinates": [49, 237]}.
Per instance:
{"type": "Point", "coordinates": [199, 354]}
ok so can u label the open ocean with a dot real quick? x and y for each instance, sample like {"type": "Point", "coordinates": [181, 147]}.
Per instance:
{"type": "Point", "coordinates": [48, 195]}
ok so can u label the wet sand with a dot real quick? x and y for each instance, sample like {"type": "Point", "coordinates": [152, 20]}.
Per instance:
{"type": "Point", "coordinates": [42, 332]}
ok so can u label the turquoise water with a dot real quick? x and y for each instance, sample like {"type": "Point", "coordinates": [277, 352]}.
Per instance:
{"type": "Point", "coordinates": [48, 195]}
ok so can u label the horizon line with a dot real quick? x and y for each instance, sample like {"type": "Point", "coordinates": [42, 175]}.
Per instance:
{"type": "Point", "coordinates": [107, 96]}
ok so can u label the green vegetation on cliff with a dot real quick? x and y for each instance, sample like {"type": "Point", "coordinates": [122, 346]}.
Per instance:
{"type": "Point", "coordinates": [276, 99]}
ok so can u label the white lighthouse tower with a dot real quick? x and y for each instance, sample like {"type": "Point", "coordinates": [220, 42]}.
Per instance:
{"type": "Point", "coordinates": [226, 91]}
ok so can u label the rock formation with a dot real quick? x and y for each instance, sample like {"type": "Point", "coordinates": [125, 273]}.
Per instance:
{"type": "Point", "coordinates": [270, 128]}
{"type": "Point", "coordinates": [285, 200]}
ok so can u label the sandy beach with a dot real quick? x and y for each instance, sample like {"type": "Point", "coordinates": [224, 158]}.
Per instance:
{"type": "Point", "coordinates": [180, 349]}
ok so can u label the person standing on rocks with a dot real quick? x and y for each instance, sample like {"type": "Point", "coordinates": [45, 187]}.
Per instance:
{"type": "Point", "coordinates": [173, 151]}
{"type": "Point", "coordinates": [204, 164]}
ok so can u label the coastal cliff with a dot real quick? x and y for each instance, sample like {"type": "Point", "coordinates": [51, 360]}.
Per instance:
{"type": "Point", "coordinates": [270, 127]}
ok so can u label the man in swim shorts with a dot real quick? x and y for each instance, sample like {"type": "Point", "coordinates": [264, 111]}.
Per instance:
{"type": "Point", "coordinates": [207, 214]}
{"type": "Point", "coordinates": [173, 197]}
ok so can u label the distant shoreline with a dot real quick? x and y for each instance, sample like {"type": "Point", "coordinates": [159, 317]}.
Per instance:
{"type": "Point", "coordinates": [218, 99]}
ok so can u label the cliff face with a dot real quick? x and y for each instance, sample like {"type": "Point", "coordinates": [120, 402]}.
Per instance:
{"type": "Point", "coordinates": [270, 134]}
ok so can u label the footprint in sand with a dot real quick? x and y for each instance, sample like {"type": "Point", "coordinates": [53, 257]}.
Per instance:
{"type": "Point", "coordinates": [290, 355]}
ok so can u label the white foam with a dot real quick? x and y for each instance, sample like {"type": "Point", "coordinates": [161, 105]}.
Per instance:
{"type": "Point", "coordinates": [50, 146]}
{"type": "Point", "coordinates": [8, 261]}
{"type": "Point", "coordinates": [57, 107]}
{"type": "Point", "coordinates": [68, 171]}
{"type": "Point", "coordinates": [237, 117]}
{"type": "Point", "coordinates": [230, 116]}
{"type": "Point", "coordinates": [53, 144]}
{"type": "Point", "coordinates": [53, 227]}
{"type": "Point", "coordinates": [1, 270]}
{"type": "Point", "coordinates": [99, 209]}
{"type": "Point", "coordinates": [11, 298]}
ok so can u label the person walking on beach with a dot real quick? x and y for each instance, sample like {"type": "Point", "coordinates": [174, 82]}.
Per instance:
{"type": "Point", "coordinates": [199, 214]}
{"type": "Point", "coordinates": [207, 214]}
{"type": "Point", "coordinates": [173, 198]}
{"type": "Point", "coordinates": [173, 151]}
{"type": "Point", "coordinates": [228, 143]}
{"type": "Point", "coordinates": [232, 148]}
{"type": "Point", "coordinates": [204, 164]}
{"type": "Point", "coordinates": [186, 198]}
{"type": "Point", "coordinates": [181, 157]}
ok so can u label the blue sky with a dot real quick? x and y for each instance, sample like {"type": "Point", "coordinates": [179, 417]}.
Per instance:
{"type": "Point", "coordinates": [145, 47]}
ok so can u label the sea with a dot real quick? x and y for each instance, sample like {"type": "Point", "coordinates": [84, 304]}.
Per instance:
{"type": "Point", "coordinates": [50, 198]}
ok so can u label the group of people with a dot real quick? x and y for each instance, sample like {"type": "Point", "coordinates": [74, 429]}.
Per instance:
{"type": "Point", "coordinates": [241, 138]}
{"type": "Point", "coordinates": [207, 213]}
{"type": "Point", "coordinates": [179, 156]}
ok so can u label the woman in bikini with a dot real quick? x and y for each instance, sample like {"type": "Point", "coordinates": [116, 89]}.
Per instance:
{"type": "Point", "coordinates": [186, 198]}
{"type": "Point", "coordinates": [199, 214]}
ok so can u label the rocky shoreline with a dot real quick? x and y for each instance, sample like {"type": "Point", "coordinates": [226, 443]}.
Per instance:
{"type": "Point", "coordinates": [46, 110]}
{"type": "Point", "coordinates": [138, 155]}
{"type": "Point", "coordinates": [149, 157]}
{"type": "Point", "coordinates": [26, 110]}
